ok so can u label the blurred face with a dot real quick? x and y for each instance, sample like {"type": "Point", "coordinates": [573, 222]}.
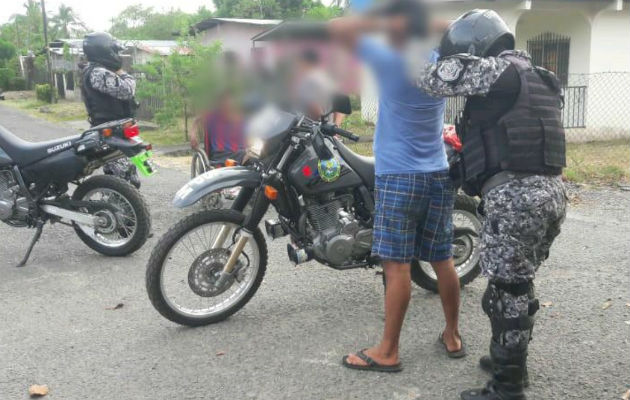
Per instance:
{"type": "Point", "coordinates": [304, 66]}
{"type": "Point", "coordinates": [397, 32]}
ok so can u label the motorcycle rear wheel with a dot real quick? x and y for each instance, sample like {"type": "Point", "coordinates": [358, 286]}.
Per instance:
{"type": "Point", "coordinates": [134, 213]}
{"type": "Point", "coordinates": [426, 279]}
{"type": "Point", "coordinates": [156, 279]}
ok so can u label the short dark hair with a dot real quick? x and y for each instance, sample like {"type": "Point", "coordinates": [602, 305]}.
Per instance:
{"type": "Point", "coordinates": [414, 10]}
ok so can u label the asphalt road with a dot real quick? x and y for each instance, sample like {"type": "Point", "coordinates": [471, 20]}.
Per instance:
{"type": "Point", "coordinates": [57, 326]}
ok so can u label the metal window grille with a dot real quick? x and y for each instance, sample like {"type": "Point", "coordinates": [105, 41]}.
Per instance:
{"type": "Point", "coordinates": [551, 51]}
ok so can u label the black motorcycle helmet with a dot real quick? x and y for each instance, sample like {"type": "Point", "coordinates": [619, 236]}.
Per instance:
{"type": "Point", "coordinates": [480, 33]}
{"type": "Point", "coordinates": [102, 48]}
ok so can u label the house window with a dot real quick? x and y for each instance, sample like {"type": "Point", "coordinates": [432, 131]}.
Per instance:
{"type": "Point", "coordinates": [551, 51]}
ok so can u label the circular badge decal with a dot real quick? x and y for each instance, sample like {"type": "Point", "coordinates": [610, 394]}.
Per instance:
{"type": "Point", "coordinates": [329, 170]}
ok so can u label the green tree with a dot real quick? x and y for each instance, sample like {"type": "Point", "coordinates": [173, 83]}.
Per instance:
{"type": "Point", "coordinates": [7, 52]}
{"type": "Point", "coordinates": [33, 19]}
{"type": "Point", "coordinates": [266, 9]}
{"type": "Point", "coordinates": [66, 24]}
{"type": "Point", "coordinates": [202, 13]}
{"type": "Point", "coordinates": [322, 12]}
{"type": "Point", "coordinates": [138, 22]}
{"type": "Point", "coordinates": [181, 80]}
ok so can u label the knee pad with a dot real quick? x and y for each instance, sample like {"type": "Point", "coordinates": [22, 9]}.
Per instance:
{"type": "Point", "coordinates": [533, 304]}
{"type": "Point", "coordinates": [501, 319]}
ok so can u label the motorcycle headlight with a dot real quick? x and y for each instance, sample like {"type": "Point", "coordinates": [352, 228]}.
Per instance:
{"type": "Point", "coordinates": [256, 146]}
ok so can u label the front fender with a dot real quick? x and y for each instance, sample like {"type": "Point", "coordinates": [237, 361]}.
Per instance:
{"type": "Point", "coordinates": [211, 181]}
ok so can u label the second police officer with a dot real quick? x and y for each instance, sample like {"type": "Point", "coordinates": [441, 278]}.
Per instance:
{"type": "Point", "coordinates": [513, 156]}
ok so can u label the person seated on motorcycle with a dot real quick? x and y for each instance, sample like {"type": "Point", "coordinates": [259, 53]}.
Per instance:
{"type": "Point", "coordinates": [223, 131]}
{"type": "Point", "coordinates": [108, 92]}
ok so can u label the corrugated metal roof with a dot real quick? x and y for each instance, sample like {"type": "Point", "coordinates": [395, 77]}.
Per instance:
{"type": "Point", "coordinates": [251, 21]}
{"type": "Point", "coordinates": [212, 22]}
{"type": "Point", "coordinates": [161, 47]}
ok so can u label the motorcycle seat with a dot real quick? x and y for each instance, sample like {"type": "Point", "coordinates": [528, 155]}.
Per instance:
{"type": "Point", "coordinates": [363, 166]}
{"type": "Point", "coordinates": [24, 153]}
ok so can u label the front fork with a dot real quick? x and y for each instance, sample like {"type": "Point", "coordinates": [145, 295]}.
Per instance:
{"type": "Point", "coordinates": [259, 208]}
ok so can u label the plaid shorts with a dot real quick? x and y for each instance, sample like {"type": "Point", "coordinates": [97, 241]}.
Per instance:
{"type": "Point", "coordinates": [413, 217]}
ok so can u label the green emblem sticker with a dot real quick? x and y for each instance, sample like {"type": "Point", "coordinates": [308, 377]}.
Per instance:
{"type": "Point", "coordinates": [329, 169]}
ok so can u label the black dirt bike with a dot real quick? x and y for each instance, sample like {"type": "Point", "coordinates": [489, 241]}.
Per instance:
{"type": "Point", "coordinates": [210, 264]}
{"type": "Point", "coordinates": [107, 213]}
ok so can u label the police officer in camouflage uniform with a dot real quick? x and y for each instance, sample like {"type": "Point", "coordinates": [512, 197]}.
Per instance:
{"type": "Point", "coordinates": [108, 93]}
{"type": "Point", "coordinates": [513, 155]}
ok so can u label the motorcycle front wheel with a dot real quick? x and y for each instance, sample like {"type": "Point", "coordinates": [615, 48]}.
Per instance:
{"type": "Point", "coordinates": [465, 247]}
{"type": "Point", "coordinates": [183, 272]}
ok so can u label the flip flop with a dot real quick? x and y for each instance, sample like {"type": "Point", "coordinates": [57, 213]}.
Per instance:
{"type": "Point", "coordinates": [371, 364]}
{"type": "Point", "coordinates": [453, 354]}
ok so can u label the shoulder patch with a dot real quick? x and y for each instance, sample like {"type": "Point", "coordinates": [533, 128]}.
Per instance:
{"type": "Point", "coordinates": [450, 69]}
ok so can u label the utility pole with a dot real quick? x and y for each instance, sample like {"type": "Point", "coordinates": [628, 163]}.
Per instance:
{"type": "Point", "coordinates": [17, 33]}
{"type": "Point", "coordinates": [48, 62]}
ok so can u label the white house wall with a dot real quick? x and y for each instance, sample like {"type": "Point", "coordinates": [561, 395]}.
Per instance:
{"type": "Point", "coordinates": [233, 37]}
{"type": "Point", "coordinates": [610, 42]}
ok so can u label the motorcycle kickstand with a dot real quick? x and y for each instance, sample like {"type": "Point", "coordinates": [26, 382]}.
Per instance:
{"type": "Point", "coordinates": [38, 233]}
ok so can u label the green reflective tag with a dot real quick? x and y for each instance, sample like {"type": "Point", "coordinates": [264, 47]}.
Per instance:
{"type": "Point", "coordinates": [143, 163]}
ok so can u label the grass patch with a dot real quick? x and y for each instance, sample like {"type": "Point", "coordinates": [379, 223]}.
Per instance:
{"type": "Point", "coordinates": [603, 163]}
{"type": "Point", "coordinates": [63, 110]}
{"type": "Point", "coordinates": [165, 136]}
{"type": "Point", "coordinates": [355, 124]}
{"type": "Point", "coordinates": [364, 148]}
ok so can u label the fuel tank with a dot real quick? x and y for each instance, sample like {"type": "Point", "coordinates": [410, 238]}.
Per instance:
{"type": "Point", "coordinates": [304, 174]}
{"type": "Point", "coordinates": [5, 160]}
{"type": "Point", "coordinates": [62, 167]}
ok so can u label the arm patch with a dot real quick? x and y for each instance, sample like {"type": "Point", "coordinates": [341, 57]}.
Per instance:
{"type": "Point", "coordinates": [450, 70]}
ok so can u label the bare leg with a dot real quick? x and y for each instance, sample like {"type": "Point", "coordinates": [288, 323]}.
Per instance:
{"type": "Point", "coordinates": [397, 295]}
{"type": "Point", "coordinates": [448, 285]}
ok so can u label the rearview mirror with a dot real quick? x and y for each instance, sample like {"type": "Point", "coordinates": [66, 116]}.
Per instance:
{"type": "Point", "coordinates": [341, 104]}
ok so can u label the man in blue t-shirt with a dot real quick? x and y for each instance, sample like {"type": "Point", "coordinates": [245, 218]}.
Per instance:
{"type": "Point", "coordinates": [413, 191]}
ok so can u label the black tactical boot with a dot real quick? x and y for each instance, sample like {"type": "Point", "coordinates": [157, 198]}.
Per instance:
{"type": "Point", "coordinates": [507, 375]}
{"type": "Point", "coordinates": [486, 364]}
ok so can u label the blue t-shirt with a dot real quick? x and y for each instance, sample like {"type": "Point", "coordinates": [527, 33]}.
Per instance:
{"type": "Point", "coordinates": [408, 135]}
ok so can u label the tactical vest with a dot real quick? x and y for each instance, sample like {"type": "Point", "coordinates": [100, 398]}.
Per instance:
{"type": "Point", "coordinates": [102, 107]}
{"type": "Point", "coordinates": [529, 138]}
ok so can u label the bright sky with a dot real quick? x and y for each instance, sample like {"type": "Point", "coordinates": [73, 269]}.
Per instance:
{"type": "Point", "coordinates": [98, 13]}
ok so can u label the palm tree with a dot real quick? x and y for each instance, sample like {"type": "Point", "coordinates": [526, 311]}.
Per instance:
{"type": "Point", "coordinates": [19, 22]}
{"type": "Point", "coordinates": [66, 23]}
{"type": "Point", "coordinates": [33, 20]}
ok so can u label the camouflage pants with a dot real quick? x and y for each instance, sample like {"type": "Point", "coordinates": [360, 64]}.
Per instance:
{"type": "Point", "coordinates": [523, 217]}
{"type": "Point", "coordinates": [124, 169]}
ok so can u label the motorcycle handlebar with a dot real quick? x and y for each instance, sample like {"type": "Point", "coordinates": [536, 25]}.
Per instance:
{"type": "Point", "coordinates": [331, 130]}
